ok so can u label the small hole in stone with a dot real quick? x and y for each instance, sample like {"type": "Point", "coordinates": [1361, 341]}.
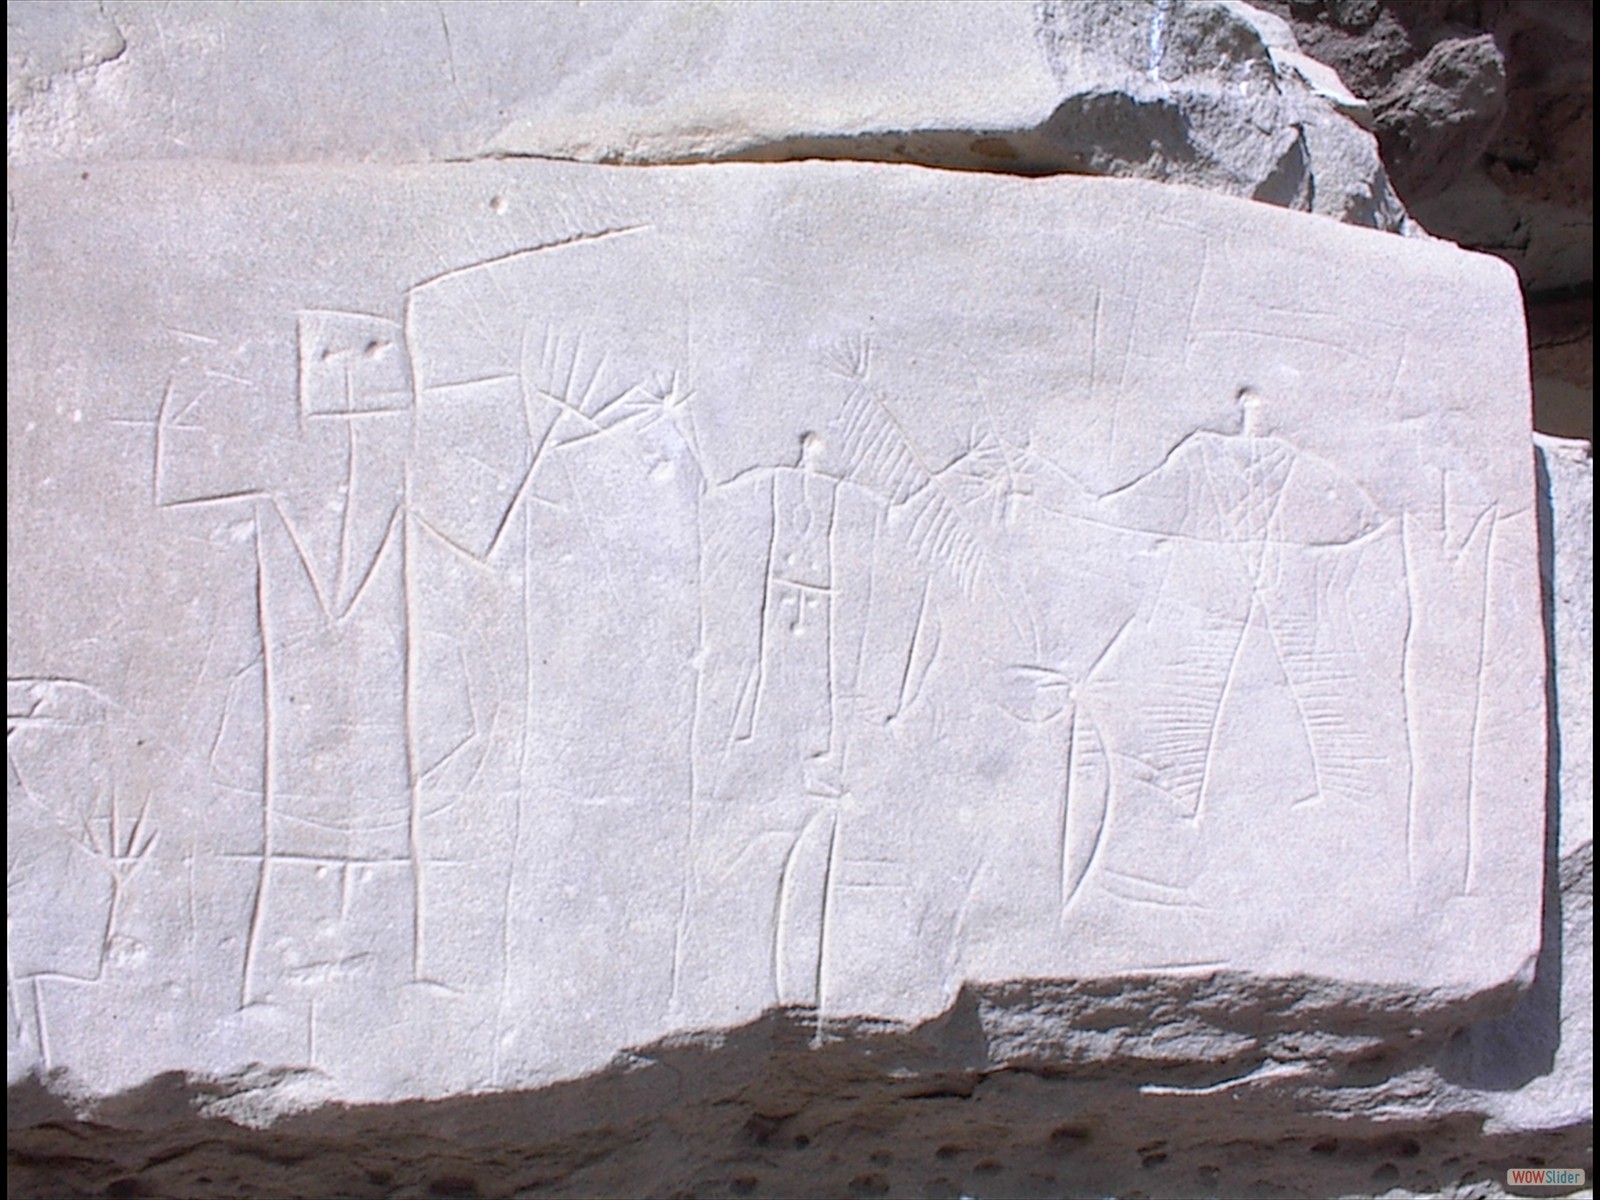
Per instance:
{"type": "Point", "coordinates": [1325, 1146]}
{"type": "Point", "coordinates": [453, 1186]}
{"type": "Point", "coordinates": [1387, 1173]}
{"type": "Point", "coordinates": [743, 1185]}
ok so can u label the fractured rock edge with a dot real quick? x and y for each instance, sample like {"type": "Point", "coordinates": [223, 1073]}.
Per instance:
{"type": "Point", "coordinates": [1018, 1090]}
{"type": "Point", "coordinates": [1212, 93]}
{"type": "Point", "coordinates": [1198, 1033]}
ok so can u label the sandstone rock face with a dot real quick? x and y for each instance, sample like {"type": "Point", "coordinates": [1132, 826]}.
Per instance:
{"type": "Point", "coordinates": [559, 630]}
{"type": "Point", "coordinates": [1207, 92]}
{"type": "Point", "coordinates": [548, 678]}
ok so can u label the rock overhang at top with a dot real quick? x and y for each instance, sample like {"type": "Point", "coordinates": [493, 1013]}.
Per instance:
{"type": "Point", "coordinates": [468, 620]}
{"type": "Point", "coordinates": [1212, 93]}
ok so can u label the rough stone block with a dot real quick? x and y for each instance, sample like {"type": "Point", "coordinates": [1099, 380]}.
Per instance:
{"type": "Point", "coordinates": [1212, 93]}
{"type": "Point", "coordinates": [470, 621]}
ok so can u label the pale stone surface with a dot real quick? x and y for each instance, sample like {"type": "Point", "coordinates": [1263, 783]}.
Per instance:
{"type": "Point", "coordinates": [467, 621]}
{"type": "Point", "coordinates": [1103, 1082]}
{"type": "Point", "coordinates": [1207, 92]}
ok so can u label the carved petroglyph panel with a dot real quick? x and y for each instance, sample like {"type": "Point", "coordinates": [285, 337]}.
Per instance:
{"type": "Point", "coordinates": [468, 621]}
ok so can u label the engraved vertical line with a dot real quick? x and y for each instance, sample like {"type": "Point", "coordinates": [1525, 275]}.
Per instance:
{"type": "Point", "coordinates": [1066, 799]}
{"type": "Point", "coordinates": [911, 649]}
{"type": "Point", "coordinates": [1399, 366]}
{"type": "Point", "coordinates": [407, 317]}
{"type": "Point", "coordinates": [342, 572]}
{"type": "Point", "coordinates": [766, 602]}
{"type": "Point", "coordinates": [161, 425]}
{"type": "Point", "coordinates": [13, 984]}
{"type": "Point", "coordinates": [699, 666]}
{"type": "Point", "coordinates": [835, 728]}
{"type": "Point", "coordinates": [302, 370]}
{"type": "Point", "coordinates": [508, 901]}
{"type": "Point", "coordinates": [780, 913]}
{"type": "Point", "coordinates": [527, 649]}
{"type": "Point", "coordinates": [681, 929]}
{"type": "Point", "coordinates": [1094, 346]}
{"type": "Point", "coordinates": [268, 782]}
{"type": "Point", "coordinates": [692, 439]}
{"type": "Point", "coordinates": [41, 1029]}
{"type": "Point", "coordinates": [1215, 729]}
{"type": "Point", "coordinates": [1121, 389]}
{"type": "Point", "coordinates": [408, 691]}
{"type": "Point", "coordinates": [822, 925]}
{"type": "Point", "coordinates": [858, 688]}
{"type": "Point", "coordinates": [110, 930]}
{"type": "Point", "coordinates": [1477, 707]}
{"type": "Point", "coordinates": [572, 366]}
{"type": "Point", "coordinates": [691, 831]}
{"type": "Point", "coordinates": [192, 935]}
{"type": "Point", "coordinates": [13, 1004]}
{"type": "Point", "coordinates": [1408, 699]}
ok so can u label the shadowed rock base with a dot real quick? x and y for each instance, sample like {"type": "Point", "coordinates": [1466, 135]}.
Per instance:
{"type": "Point", "coordinates": [768, 1111]}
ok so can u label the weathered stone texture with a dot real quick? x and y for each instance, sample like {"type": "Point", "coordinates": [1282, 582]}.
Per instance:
{"type": "Point", "coordinates": [763, 677]}
{"type": "Point", "coordinates": [1210, 93]}
{"type": "Point", "coordinates": [834, 595]}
